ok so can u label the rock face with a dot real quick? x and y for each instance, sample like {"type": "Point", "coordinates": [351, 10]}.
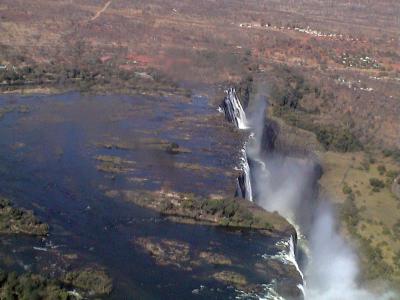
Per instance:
{"type": "Point", "coordinates": [270, 134]}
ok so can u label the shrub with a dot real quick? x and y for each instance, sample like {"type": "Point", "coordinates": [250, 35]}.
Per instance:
{"type": "Point", "coordinates": [365, 165]}
{"type": "Point", "coordinates": [392, 174]}
{"type": "Point", "coordinates": [347, 189]}
{"type": "Point", "coordinates": [213, 206]}
{"type": "Point", "coordinates": [394, 153]}
{"type": "Point", "coordinates": [396, 229]}
{"type": "Point", "coordinates": [350, 213]}
{"type": "Point", "coordinates": [376, 183]}
{"type": "Point", "coordinates": [381, 169]}
{"type": "Point", "coordinates": [338, 139]}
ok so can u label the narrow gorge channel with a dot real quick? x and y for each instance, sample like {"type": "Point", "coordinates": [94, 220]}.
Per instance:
{"type": "Point", "coordinates": [289, 185]}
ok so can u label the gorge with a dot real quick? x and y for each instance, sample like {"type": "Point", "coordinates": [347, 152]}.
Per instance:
{"type": "Point", "coordinates": [289, 185]}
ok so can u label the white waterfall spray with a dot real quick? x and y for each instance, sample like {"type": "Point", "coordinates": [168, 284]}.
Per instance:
{"type": "Point", "coordinates": [246, 174]}
{"type": "Point", "coordinates": [233, 109]}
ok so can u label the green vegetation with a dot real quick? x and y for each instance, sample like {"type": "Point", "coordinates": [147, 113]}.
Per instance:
{"type": "Point", "coordinates": [230, 212]}
{"type": "Point", "coordinates": [369, 218]}
{"type": "Point", "coordinates": [376, 184]}
{"type": "Point", "coordinates": [396, 229]}
{"type": "Point", "coordinates": [339, 139]}
{"type": "Point", "coordinates": [375, 266]}
{"type": "Point", "coordinates": [233, 212]}
{"type": "Point", "coordinates": [391, 174]}
{"type": "Point", "coordinates": [381, 169]}
{"type": "Point", "coordinates": [287, 97]}
{"type": "Point", "coordinates": [93, 280]}
{"type": "Point", "coordinates": [188, 208]}
{"type": "Point", "coordinates": [16, 220]}
{"type": "Point", "coordinates": [394, 153]}
{"type": "Point", "coordinates": [347, 189]}
{"type": "Point", "coordinates": [31, 287]}
{"type": "Point", "coordinates": [292, 90]}
{"type": "Point", "coordinates": [87, 75]}
{"type": "Point", "coordinates": [350, 212]}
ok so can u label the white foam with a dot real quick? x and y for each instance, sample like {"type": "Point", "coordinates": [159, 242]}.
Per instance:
{"type": "Point", "coordinates": [234, 110]}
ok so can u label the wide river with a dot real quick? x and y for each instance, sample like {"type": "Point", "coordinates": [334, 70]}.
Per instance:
{"type": "Point", "coordinates": [48, 151]}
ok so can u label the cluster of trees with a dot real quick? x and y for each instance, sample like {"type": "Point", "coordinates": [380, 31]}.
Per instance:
{"type": "Point", "coordinates": [292, 90]}
{"type": "Point", "coordinates": [230, 212]}
{"type": "Point", "coordinates": [84, 76]}
{"type": "Point", "coordinates": [287, 98]}
{"type": "Point", "coordinates": [31, 287]}
{"type": "Point", "coordinates": [16, 220]}
{"type": "Point", "coordinates": [376, 184]}
{"type": "Point", "coordinates": [394, 153]}
{"type": "Point", "coordinates": [338, 139]}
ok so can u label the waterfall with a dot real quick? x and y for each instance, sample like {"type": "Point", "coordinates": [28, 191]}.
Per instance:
{"type": "Point", "coordinates": [286, 186]}
{"type": "Point", "coordinates": [234, 112]}
{"type": "Point", "coordinates": [248, 192]}
{"type": "Point", "coordinates": [262, 170]}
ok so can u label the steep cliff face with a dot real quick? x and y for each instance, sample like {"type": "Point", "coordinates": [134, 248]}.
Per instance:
{"type": "Point", "coordinates": [270, 135]}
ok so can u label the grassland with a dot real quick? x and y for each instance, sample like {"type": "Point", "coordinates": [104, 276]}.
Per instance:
{"type": "Point", "coordinates": [369, 214]}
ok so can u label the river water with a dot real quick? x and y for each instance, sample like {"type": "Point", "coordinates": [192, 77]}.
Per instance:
{"type": "Point", "coordinates": [47, 164]}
